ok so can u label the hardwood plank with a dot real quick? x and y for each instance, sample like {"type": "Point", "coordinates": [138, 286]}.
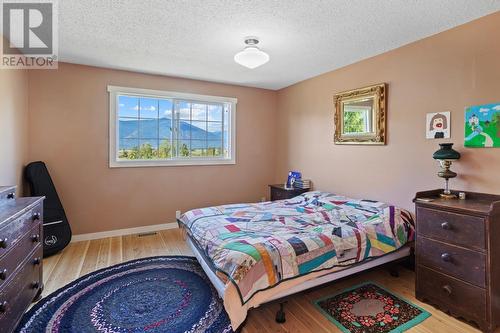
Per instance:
{"type": "Point", "coordinates": [316, 322]}
{"type": "Point", "coordinates": [265, 317]}
{"type": "Point", "coordinates": [68, 268]}
{"type": "Point", "coordinates": [156, 244]}
{"type": "Point", "coordinates": [49, 264]}
{"type": "Point", "coordinates": [83, 257]}
{"type": "Point", "coordinates": [128, 248]}
{"type": "Point", "coordinates": [294, 321]}
{"type": "Point", "coordinates": [103, 256]}
{"type": "Point", "coordinates": [253, 324]}
{"type": "Point", "coordinates": [90, 260]}
{"type": "Point", "coordinates": [115, 251]}
{"type": "Point", "coordinates": [174, 242]}
{"type": "Point", "coordinates": [182, 245]}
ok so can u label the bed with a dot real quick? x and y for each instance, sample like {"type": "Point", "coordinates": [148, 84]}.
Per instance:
{"type": "Point", "coordinates": [254, 253]}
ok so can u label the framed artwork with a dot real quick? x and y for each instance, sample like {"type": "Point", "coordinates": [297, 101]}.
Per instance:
{"type": "Point", "coordinates": [292, 177]}
{"type": "Point", "coordinates": [482, 126]}
{"type": "Point", "coordinates": [360, 116]}
{"type": "Point", "coordinates": [438, 125]}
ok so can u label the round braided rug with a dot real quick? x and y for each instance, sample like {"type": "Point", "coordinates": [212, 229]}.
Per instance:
{"type": "Point", "coordinates": [157, 294]}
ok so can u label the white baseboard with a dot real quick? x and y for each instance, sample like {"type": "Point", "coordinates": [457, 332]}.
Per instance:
{"type": "Point", "coordinates": [123, 232]}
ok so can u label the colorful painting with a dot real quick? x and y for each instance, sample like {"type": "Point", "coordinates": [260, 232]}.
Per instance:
{"type": "Point", "coordinates": [482, 126]}
{"type": "Point", "coordinates": [438, 125]}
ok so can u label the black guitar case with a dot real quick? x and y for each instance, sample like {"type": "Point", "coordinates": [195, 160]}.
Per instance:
{"type": "Point", "coordinates": [56, 229]}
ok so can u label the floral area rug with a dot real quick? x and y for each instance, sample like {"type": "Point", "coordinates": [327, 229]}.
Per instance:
{"type": "Point", "coordinates": [368, 308]}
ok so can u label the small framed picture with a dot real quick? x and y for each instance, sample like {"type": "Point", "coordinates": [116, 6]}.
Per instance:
{"type": "Point", "coordinates": [438, 125]}
{"type": "Point", "coordinates": [292, 177]}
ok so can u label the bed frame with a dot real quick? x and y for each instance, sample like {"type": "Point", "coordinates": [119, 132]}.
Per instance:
{"type": "Point", "coordinates": [401, 253]}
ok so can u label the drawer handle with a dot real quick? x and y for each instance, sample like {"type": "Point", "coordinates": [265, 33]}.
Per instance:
{"type": "Point", "coordinates": [11, 195]}
{"type": "Point", "coordinates": [36, 261]}
{"type": "Point", "coordinates": [446, 226]}
{"type": "Point", "coordinates": [36, 217]}
{"type": "Point", "coordinates": [3, 274]}
{"type": "Point", "coordinates": [3, 243]}
{"type": "Point", "coordinates": [35, 285]}
{"type": "Point", "coordinates": [3, 306]}
{"type": "Point", "coordinates": [446, 257]}
{"type": "Point", "coordinates": [447, 289]}
{"type": "Point", "coordinates": [35, 238]}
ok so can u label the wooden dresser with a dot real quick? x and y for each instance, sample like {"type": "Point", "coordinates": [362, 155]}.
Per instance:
{"type": "Point", "coordinates": [279, 192]}
{"type": "Point", "coordinates": [20, 255]}
{"type": "Point", "coordinates": [458, 256]}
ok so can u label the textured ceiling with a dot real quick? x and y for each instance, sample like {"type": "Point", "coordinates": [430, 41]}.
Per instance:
{"type": "Point", "coordinates": [198, 38]}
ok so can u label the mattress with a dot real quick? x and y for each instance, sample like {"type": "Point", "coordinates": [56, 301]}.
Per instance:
{"type": "Point", "coordinates": [256, 246]}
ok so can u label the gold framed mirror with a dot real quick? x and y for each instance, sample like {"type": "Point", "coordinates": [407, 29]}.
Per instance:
{"type": "Point", "coordinates": [360, 116]}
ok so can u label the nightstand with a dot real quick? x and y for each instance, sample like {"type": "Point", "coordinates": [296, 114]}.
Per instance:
{"type": "Point", "coordinates": [458, 255]}
{"type": "Point", "coordinates": [279, 192]}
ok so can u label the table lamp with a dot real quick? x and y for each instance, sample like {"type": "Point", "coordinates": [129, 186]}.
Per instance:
{"type": "Point", "coordinates": [446, 155]}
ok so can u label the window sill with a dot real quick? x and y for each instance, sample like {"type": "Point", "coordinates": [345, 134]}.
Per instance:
{"type": "Point", "coordinates": [179, 162]}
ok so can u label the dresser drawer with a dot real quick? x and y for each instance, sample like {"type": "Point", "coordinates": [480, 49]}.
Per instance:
{"type": "Point", "coordinates": [458, 262]}
{"type": "Point", "coordinates": [7, 196]}
{"type": "Point", "coordinates": [279, 195]}
{"type": "Point", "coordinates": [461, 298]}
{"type": "Point", "coordinates": [15, 230]}
{"type": "Point", "coordinates": [19, 293]}
{"type": "Point", "coordinates": [16, 255]}
{"type": "Point", "coordinates": [463, 230]}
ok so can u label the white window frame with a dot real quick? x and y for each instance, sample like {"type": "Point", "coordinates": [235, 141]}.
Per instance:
{"type": "Point", "coordinates": [114, 162]}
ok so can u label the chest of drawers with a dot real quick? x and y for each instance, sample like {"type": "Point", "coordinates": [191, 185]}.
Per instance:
{"type": "Point", "coordinates": [458, 256]}
{"type": "Point", "coordinates": [20, 255]}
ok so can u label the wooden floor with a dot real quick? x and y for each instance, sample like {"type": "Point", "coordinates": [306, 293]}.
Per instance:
{"type": "Point", "coordinates": [83, 257]}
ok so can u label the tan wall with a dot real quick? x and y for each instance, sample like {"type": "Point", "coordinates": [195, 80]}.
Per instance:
{"type": "Point", "coordinates": [13, 126]}
{"type": "Point", "coordinates": [69, 125]}
{"type": "Point", "coordinates": [446, 72]}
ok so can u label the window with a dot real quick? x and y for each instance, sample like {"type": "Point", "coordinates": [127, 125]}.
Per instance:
{"type": "Point", "coordinates": [161, 128]}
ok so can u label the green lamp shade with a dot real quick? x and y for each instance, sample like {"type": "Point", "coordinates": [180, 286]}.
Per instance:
{"type": "Point", "coordinates": [446, 152]}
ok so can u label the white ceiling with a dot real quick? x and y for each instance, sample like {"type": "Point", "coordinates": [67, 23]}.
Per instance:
{"type": "Point", "coordinates": [198, 38]}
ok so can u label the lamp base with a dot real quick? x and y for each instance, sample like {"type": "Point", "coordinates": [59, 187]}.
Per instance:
{"type": "Point", "coordinates": [448, 196]}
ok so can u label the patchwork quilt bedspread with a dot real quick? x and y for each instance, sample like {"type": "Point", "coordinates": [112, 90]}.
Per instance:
{"type": "Point", "coordinates": [257, 245]}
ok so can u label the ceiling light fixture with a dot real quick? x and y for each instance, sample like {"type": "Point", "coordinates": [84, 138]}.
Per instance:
{"type": "Point", "coordinates": [251, 56]}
